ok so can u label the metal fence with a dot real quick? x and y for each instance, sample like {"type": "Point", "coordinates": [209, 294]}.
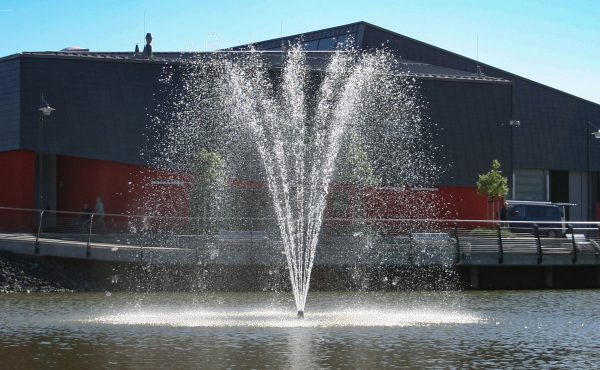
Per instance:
{"type": "Point", "coordinates": [459, 239]}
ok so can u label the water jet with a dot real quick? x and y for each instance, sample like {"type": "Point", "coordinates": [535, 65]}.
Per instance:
{"type": "Point", "coordinates": [295, 119]}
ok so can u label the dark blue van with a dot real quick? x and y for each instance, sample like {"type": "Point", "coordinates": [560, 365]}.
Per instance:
{"type": "Point", "coordinates": [537, 212]}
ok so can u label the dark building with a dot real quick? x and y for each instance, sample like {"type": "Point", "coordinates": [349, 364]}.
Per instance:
{"type": "Point", "coordinates": [92, 143]}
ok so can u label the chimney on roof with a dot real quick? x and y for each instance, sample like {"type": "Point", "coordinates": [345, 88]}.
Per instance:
{"type": "Point", "coordinates": [148, 47]}
{"type": "Point", "coordinates": [137, 50]}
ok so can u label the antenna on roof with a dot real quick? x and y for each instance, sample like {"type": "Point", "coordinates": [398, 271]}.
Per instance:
{"type": "Point", "coordinates": [477, 58]}
{"type": "Point", "coordinates": [144, 24]}
{"type": "Point", "coordinates": [281, 28]}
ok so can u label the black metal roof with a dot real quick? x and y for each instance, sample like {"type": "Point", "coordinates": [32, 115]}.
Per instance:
{"type": "Point", "coordinates": [317, 60]}
{"type": "Point", "coordinates": [457, 64]}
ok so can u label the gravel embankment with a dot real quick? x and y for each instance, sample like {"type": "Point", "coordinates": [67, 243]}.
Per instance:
{"type": "Point", "coordinates": [26, 274]}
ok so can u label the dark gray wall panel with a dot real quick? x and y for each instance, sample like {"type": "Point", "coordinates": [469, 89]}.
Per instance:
{"type": "Point", "coordinates": [466, 119]}
{"type": "Point", "coordinates": [553, 131]}
{"type": "Point", "coordinates": [102, 108]}
{"type": "Point", "coordinates": [9, 104]}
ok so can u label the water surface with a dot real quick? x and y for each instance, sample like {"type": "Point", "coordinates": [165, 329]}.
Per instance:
{"type": "Point", "coordinates": [341, 330]}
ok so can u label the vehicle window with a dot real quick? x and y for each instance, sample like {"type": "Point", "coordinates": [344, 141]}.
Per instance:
{"type": "Point", "coordinates": [549, 213]}
{"type": "Point", "coordinates": [517, 212]}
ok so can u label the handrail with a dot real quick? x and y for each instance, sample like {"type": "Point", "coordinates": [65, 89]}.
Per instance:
{"type": "Point", "coordinates": [39, 230]}
{"type": "Point", "coordinates": [465, 241]}
{"type": "Point", "coordinates": [457, 258]}
{"type": "Point", "coordinates": [536, 232]}
{"type": "Point", "coordinates": [573, 242]}
{"type": "Point", "coordinates": [436, 220]}
{"type": "Point", "coordinates": [88, 250]}
{"type": "Point", "coordinates": [500, 246]}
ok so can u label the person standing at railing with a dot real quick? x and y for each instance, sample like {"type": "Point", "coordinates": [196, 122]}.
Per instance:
{"type": "Point", "coordinates": [99, 215]}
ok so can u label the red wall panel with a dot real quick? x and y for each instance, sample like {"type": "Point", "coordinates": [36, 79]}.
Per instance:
{"type": "Point", "coordinates": [17, 189]}
{"type": "Point", "coordinates": [399, 203]}
{"type": "Point", "coordinates": [17, 179]}
{"type": "Point", "coordinates": [464, 202]}
{"type": "Point", "coordinates": [122, 187]}
{"type": "Point", "coordinates": [389, 204]}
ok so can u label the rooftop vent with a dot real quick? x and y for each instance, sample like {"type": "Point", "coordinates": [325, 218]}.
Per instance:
{"type": "Point", "coordinates": [74, 49]}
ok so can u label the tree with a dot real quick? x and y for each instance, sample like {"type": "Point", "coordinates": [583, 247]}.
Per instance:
{"type": "Point", "coordinates": [355, 169]}
{"type": "Point", "coordinates": [209, 176]}
{"type": "Point", "coordinates": [494, 186]}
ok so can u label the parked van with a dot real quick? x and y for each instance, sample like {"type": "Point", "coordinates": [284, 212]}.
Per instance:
{"type": "Point", "coordinates": [537, 212]}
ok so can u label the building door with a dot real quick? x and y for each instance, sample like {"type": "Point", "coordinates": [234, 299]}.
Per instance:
{"type": "Point", "coordinates": [578, 194]}
{"type": "Point", "coordinates": [559, 189]}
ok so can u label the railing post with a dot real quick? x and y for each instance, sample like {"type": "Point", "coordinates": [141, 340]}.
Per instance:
{"type": "Point", "coordinates": [536, 232]}
{"type": "Point", "coordinates": [88, 250]}
{"type": "Point", "coordinates": [411, 257]}
{"type": "Point", "coordinates": [39, 230]}
{"type": "Point", "coordinates": [252, 233]}
{"type": "Point", "coordinates": [457, 258]}
{"type": "Point", "coordinates": [500, 246]}
{"type": "Point", "coordinates": [570, 227]}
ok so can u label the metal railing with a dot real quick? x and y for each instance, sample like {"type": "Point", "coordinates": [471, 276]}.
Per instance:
{"type": "Point", "coordinates": [459, 239]}
{"type": "Point", "coordinates": [542, 239]}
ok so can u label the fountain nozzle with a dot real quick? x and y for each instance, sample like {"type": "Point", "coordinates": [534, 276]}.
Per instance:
{"type": "Point", "coordinates": [300, 314]}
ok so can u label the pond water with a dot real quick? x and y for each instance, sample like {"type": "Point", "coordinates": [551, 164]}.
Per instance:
{"type": "Point", "coordinates": [476, 329]}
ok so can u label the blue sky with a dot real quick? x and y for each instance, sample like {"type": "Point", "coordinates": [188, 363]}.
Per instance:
{"type": "Point", "coordinates": [550, 41]}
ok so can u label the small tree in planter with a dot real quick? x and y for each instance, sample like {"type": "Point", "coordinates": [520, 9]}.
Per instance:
{"type": "Point", "coordinates": [494, 186]}
{"type": "Point", "coordinates": [355, 170]}
{"type": "Point", "coordinates": [209, 177]}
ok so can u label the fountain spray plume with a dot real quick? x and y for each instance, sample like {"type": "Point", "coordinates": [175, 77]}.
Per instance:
{"type": "Point", "coordinates": [297, 117]}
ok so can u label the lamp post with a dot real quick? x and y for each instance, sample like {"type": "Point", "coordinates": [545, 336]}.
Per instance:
{"type": "Point", "coordinates": [596, 135]}
{"type": "Point", "coordinates": [45, 111]}
{"type": "Point", "coordinates": [513, 124]}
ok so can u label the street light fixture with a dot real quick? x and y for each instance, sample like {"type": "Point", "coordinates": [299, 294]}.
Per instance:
{"type": "Point", "coordinates": [513, 123]}
{"type": "Point", "coordinates": [45, 111]}
{"type": "Point", "coordinates": [596, 135]}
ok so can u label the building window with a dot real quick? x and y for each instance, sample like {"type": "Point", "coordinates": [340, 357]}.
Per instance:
{"type": "Point", "coordinates": [310, 45]}
{"type": "Point", "coordinates": [345, 40]}
{"type": "Point", "coordinates": [531, 185]}
{"type": "Point", "coordinates": [327, 44]}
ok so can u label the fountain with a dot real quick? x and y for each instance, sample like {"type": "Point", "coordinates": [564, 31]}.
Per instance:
{"type": "Point", "coordinates": [297, 110]}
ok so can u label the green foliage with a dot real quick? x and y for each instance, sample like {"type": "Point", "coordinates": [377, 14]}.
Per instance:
{"type": "Point", "coordinates": [209, 176]}
{"type": "Point", "coordinates": [493, 184]}
{"type": "Point", "coordinates": [208, 169]}
{"type": "Point", "coordinates": [355, 168]}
